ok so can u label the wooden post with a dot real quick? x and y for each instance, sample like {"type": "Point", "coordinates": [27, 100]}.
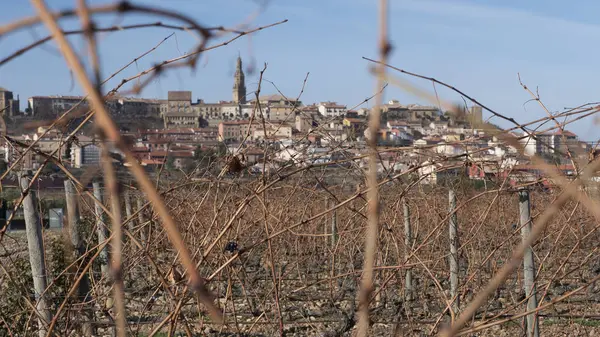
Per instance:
{"type": "Point", "coordinates": [141, 217]}
{"type": "Point", "coordinates": [528, 265]}
{"type": "Point", "coordinates": [35, 244]}
{"type": "Point", "coordinates": [453, 229]}
{"type": "Point", "coordinates": [73, 216]}
{"type": "Point", "coordinates": [408, 286]}
{"type": "Point", "coordinates": [101, 230]}
{"type": "Point", "coordinates": [76, 236]}
{"type": "Point", "coordinates": [334, 231]}
{"type": "Point", "coordinates": [128, 211]}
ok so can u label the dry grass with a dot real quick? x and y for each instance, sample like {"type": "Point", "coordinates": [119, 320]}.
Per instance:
{"type": "Point", "coordinates": [174, 268]}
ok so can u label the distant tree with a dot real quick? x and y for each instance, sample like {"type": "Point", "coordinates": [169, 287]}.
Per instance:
{"type": "Point", "coordinates": [203, 157]}
{"type": "Point", "coordinates": [170, 164]}
{"type": "Point", "coordinates": [198, 152]}
{"type": "Point", "coordinates": [3, 166]}
{"type": "Point", "coordinates": [188, 165]}
{"type": "Point", "coordinates": [552, 158]}
{"type": "Point", "coordinates": [221, 150]}
{"type": "Point", "coordinates": [50, 168]}
{"type": "Point", "coordinates": [203, 122]}
{"type": "Point", "coordinates": [417, 135]}
{"type": "Point", "coordinates": [68, 147]}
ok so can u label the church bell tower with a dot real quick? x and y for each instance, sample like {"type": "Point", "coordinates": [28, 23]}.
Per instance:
{"type": "Point", "coordinates": [239, 84]}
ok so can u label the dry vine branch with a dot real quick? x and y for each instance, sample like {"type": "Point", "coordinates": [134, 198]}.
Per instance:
{"type": "Point", "coordinates": [113, 135]}
{"type": "Point", "coordinates": [373, 194]}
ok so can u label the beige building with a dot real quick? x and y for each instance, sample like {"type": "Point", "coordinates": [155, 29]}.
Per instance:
{"type": "Point", "coordinates": [52, 106]}
{"type": "Point", "coordinates": [139, 107]}
{"type": "Point", "coordinates": [279, 108]}
{"type": "Point", "coordinates": [238, 130]}
{"type": "Point", "coordinates": [230, 130]}
{"type": "Point", "coordinates": [181, 120]}
{"type": "Point", "coordinates": [8, 104]}
{"type": "Point", "coordinates": [133, 107]}
{"type": "Point", "coordinates": [303, 123]}
{"type": "Point", "coordinates": [272, 132]}
{"type": "Point", "coordinates": [180, 113]}
{"type": "Point", "coordinates": [475, 116]}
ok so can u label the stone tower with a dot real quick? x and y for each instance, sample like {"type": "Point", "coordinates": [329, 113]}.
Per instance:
{"type": "Point", "coordinates": [239, 84]}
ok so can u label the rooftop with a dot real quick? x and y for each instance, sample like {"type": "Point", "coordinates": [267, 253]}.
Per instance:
{"type": "Point", "coordinates": [565, 133]}
{"type": "Point", "coordinates": [180, 96]}
{"type": "Point", "coordinates": [332, 105]}
{"type": "Point", "coordinates": [276, 97]}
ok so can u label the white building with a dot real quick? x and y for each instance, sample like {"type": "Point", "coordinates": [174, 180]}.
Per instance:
{"type": "Point", "coordinates": [86, 155]}
{"type": "Point", "coordinates": [529, 145]}
{"type": "Point", "coordinates": [331, 109]}
{"type": "Point", "coordinates": [434, 173]}
{"type": "Point", "coordinates": [449, 149]}
{"type": "Point", "coordinates": [230, 110]}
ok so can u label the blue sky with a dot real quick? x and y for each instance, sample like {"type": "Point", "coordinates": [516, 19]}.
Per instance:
{"type": "Point", "coordinates": [478, 46]}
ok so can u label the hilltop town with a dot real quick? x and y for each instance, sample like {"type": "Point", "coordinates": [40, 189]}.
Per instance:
{"type": "Point", "coordinates": [178, 130]}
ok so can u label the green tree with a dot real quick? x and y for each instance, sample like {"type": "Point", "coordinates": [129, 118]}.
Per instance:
{"type": "Point", "coordinates": [170, 164]}
{"type": "Point", "coordinates": [198, 152]}
{"type": "Point", "coordinates": [221, 150]}
{"type": "Point", "coordinates": [50, 168]}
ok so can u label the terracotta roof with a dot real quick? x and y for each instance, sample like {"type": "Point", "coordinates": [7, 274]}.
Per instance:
{"type": "Point", "coordinates": [182, 148]}
{"type": "Point", "coordinates": [566, 133]}
{"type": "Point", "coordinates": [159, 141]}
{"type": "Point", "coordinates": [151, 162]}
{"type": "Point", "coordinates": [182, 154]}
{"type": "Point", "coordinates": [179, 95]}
{"type": "Point", "coordinates": [158, 153]}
